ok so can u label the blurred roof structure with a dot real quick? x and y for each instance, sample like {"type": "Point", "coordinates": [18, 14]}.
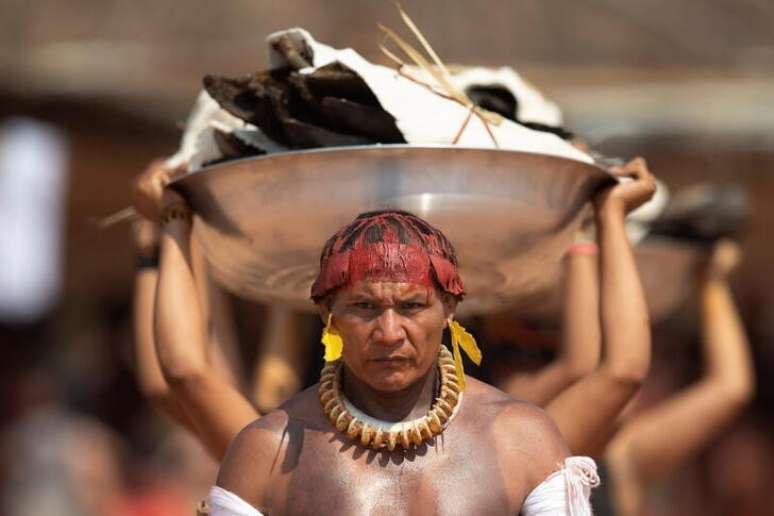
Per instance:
{"type": "Point", "coordinates": [685, 67]}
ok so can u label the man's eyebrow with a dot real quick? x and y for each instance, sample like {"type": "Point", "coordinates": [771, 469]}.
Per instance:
{"type": "Point", "coordinates": [414, 298]}
{"type": "Point", "coordinates": [361, 297]}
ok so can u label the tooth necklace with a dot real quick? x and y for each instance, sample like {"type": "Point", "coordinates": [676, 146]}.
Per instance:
{"type": "Point", "coordinates": [369, 431]}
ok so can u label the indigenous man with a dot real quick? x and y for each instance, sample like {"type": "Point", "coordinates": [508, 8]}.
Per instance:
{"type": "Point", "coordinates": [394, 426]}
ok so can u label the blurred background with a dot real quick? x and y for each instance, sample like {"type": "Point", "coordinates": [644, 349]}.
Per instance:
{"type": "Point", "coordinates": [91, 91]}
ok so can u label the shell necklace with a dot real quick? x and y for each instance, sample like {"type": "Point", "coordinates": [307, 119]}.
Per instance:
{"type": "Point", "coordinates": [368, 431]}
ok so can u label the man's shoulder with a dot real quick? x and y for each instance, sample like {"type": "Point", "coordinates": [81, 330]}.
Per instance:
{"type": "Point", "coordinates": [491, 402]}
{"type": "Point", "coordinates": [302, 410]}
{"type": "Point", "coordinates": [523, 433]}
{"type": "Point", "coordinates": [257, 454]}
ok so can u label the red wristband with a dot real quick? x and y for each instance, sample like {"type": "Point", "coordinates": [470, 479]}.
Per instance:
{"type": "Point", "coordinates": [583, 249]}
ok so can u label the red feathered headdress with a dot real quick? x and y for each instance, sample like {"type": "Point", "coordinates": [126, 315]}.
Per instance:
{"type": "Point", "coordinates": [388, 245]}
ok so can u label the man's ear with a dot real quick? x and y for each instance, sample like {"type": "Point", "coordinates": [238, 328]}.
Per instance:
{"type": "Point", "coordinates": [449, 307]}
{"type": "Point", "coordinates": [323, 310]}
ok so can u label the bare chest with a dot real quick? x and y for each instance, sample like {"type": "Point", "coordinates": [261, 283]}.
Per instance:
{"type": "Point", "coordinates": [446, 478]}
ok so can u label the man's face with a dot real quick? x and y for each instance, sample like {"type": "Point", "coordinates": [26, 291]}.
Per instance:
{"type": "Point", "coordinates": [391, 331]}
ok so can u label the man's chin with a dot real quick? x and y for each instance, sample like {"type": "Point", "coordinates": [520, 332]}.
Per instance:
{"type": "Point", "coordinates": [391, 381]}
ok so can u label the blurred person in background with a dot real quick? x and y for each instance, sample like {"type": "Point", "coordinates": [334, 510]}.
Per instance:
{"type": "Point", "coordinates": [160, 370]}
{"type": "Point", "coordinates": [644, 445]}
{"type": "Point", "coordinates": [593, 362]}
{"type": "Point", "coordinates": [651, 443]}
{"type": "Point", "coordinates": [187, 377]}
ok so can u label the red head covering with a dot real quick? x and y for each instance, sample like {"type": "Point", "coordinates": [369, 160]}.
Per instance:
{"type": "Point", "coordinates": [388, 245]}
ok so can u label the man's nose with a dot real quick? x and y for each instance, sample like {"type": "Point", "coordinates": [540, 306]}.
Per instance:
{"type": "Point", "coordinates": [389, 329]}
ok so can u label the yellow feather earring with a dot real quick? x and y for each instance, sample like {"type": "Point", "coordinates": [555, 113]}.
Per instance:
{"type": "Point", "coordinates": [461, 338]}
{"type": "Point", "coordinates": [332, 342]}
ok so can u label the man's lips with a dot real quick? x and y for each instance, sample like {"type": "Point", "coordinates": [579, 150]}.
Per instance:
{"type": "Point", "coordinates": [391, 361]}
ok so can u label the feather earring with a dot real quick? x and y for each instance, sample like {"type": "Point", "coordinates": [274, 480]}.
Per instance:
{"type": "Point", "coordinates": [461, 338]}
{"type": "Point", "coordinates": [332, 342]}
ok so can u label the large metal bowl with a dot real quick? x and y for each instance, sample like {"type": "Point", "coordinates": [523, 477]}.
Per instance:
{"type": "Point", "coordinates": [511, 215]}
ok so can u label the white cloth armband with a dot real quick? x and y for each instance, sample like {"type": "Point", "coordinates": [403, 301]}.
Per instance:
{"type": "Point", "coordinates": [225, 503]}
{"type": "Point", "coordinates": [565, 492]}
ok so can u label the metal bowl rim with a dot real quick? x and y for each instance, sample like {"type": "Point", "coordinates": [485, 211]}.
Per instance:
{"type": "Point", "coordinates": [392, 146]}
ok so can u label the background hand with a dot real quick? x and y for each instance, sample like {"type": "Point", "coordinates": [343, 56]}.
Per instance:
{"type": "Point", "coordinates": [726, 255]}
{"type": "Point", "coordinates": [150, 195]}
{"type": "Point", "coordinates": [637, 188]}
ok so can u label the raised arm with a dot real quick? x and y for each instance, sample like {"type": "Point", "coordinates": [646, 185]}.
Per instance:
{"type": "Point", "coordinates": [579, 351]}
{"type": "Point", "coordinates": [148, 373]}
{"type": "Point", "coordinates": [222, 343]}
{"type": "Point", "coordinates": [216, 407]}
{"type": "Point", "coordinates": [656, 441]}
{"type": "Point", "coordinates": [586, 411]}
